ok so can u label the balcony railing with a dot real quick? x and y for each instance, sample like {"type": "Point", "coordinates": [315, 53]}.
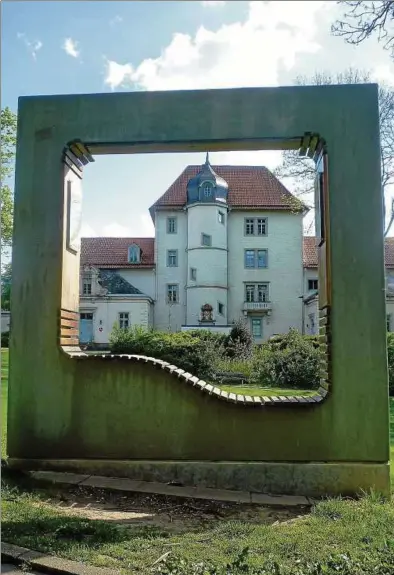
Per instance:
{"type": "Point", "coordinates": [257, 306]}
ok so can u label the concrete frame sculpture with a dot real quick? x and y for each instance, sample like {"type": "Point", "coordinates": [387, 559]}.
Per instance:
{"type": "Point", "coordinates": [139, 417]}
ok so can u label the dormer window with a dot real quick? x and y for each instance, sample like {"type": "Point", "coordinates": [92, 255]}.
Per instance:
{"type": "Point", "coordinates": [207, 187]}
{"type": "Point", "coordinates": [134, 254]}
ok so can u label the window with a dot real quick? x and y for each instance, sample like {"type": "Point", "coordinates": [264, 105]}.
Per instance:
{"type": "Point", "coordinates": [388, 322]}
{"type": "Point", "coordinates": [221, 217]}
{"type": "Point", "coordinates": [256, 226]}
{"type": "Point", "coordinates": [206, 240]}
{"type": "Point", "coordinates": [257, 327]}
{"type": "Point", "coordinates": [134, 254]}
{"type": "Point", "coordinates": [262, 226]}
{"type": "Point", "coordinates": [193, 274]}
{"type": "Point", "coordinates": [262, 293]}
{"type": "Point", "coordinates": [172, 293]}
{"type": "Point", "coordinates": [313, 285]}
{"type": "Point", "coordinates": [124, 320]}
{"type": "Point", "coordinates": [172, 258]}
{"type": "Point", "coordinates": [249, 227]}
{"type": "Point", "coordinates": [257, 293]}
{"type": "Point", "coordinates": [207, 190]}
{"type": "Point", "coordinates": [249, 293]}
{"type": "Point", "coordinates": [256, 258]}
{"type": "Point", "coordinates": [220, 308]}
{"type": "Point", "coordinates": [87, 286]}
{"type": "Point", "coordinates": [171, 225]}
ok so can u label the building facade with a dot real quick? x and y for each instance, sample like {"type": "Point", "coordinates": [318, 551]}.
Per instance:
{"type": "Point", "coordinates": [227, 245]}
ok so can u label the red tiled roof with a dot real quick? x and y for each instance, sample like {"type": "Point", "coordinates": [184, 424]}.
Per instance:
{"type": "Point", "coordinates": [310, 252]}
{"type": "Point", "coordinates": [113, 252]}
{"type": "Point", "coordinates": [249, 187]}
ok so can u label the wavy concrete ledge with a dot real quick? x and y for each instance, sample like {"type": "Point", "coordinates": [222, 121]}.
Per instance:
{"type": "Point", "coordinates": [203, 386]}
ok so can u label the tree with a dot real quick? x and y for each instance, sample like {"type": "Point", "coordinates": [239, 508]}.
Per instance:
{"type": "Point", "coordinates": [302, 170]}
{"type": "Point", "coordinates": [6, 287]}
{"type": "Point", "coordinates": [8, 142]}
{"type": "Point", "coordinates": [365, 19]}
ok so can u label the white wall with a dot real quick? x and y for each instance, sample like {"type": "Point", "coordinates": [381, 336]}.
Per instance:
{"type": "Point", "coordinates": [5, 321]}
{"type": "Point", "coordinates": [309, 274]}
{"type": "Point", "coordinates": [170, 317]}
{"type": "Point", "coordinates": [311, 317]}
{"type": "Point", "coordinates": [284, 272]}
{"type": "Point", "coordinates": [142, 279]}
{"type": "Point", "coordinates": [106, 314]}
{"type": "Point", "coordinates": [210, 262]}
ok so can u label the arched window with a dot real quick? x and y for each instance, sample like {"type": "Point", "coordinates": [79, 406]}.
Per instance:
{"type": "Point", "coordinates": [134, 254]}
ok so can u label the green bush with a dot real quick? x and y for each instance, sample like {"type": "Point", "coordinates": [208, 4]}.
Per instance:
{"type": "Point", "coordinates": [390, 359]}
{"type": "Point", "coordinates": [290, 361]}
{"type": "Point", "coordinates": [239, 343]}
{"type": "Point", "coordinates": [184, 349]}
{"type": "Point", "coordinates": [5, 339]}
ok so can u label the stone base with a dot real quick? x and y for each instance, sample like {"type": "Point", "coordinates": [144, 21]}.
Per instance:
{"type": "Point", "coordinates": [313, 479]}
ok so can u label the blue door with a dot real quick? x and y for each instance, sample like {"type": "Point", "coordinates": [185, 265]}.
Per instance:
{"type": "Point", "coordinates": [86, 328]}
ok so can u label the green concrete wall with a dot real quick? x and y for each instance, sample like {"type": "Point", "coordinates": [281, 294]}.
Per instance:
{"type": "Point", "coordinates": [62, 407]}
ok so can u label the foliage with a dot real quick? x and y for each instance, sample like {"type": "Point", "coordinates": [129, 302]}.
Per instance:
{"type": "Point", "coordinates": [8, 142]}
{"type": "Point", "coordinates": [6, 287]}
{"type": "Point", "coordinates": [364, 19]}
{"type": "Point", "coordinates": [302, 170]}
{"type": "Point", "coordinates": [390, 359]}
{"type": "Point", "coordinates": [184, 349]}
{"type": "Point", "coordinates": [292, 362]}
{"type": "Point", "coordinates": [5, 339]}
{"type": "Point", "coordinates": [239, 343]}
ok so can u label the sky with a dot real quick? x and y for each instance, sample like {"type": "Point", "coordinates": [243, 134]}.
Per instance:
{"type": "Point", "coordinates": [108, 46]}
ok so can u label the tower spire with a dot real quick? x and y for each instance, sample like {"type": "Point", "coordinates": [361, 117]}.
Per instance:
{"type": "Point", "coordinates": [207, 159]}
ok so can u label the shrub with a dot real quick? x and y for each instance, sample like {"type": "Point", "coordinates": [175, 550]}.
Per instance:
{"type": "Point", "coordinates": [184, 349]}
{"type": "Point", "coordinates": [390, 359]}
{"type": "Point", "coordinates": [5, 339]}
{"type": "Point", "coordinates": [239, 342]}
{"type": "Point", "coordinates": [291, 361]}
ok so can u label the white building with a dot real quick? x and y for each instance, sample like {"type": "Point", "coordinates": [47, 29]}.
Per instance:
{"type": "Point", "coordinates": [228, 244]}
{"type": "Point", "coordinates": [310, 258]}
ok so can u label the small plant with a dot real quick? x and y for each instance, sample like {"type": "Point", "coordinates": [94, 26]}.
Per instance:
{"type": "Point", "coordinates": [239, 343]}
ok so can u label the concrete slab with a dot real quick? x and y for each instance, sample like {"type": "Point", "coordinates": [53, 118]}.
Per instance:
{"type": "Point", "coordinates": [116, 483]}
{"type": "Point", "coordinates": [58, 566]}
{"type": "Point", "coordinates": [280, 500]}
{"type": "Point", "coordinates": [69, 478]}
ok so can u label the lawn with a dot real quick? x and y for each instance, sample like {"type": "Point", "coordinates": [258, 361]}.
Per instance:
{"type": "Point", "coordinates": [131, 532]}
{"type": "Point", "coordinates": [264, 391]}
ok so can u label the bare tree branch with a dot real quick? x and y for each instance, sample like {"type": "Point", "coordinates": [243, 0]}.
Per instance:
{"type": "Point", "coordinates": [302, 170]}
{"type": "Point", "coordinates": [363, 19]}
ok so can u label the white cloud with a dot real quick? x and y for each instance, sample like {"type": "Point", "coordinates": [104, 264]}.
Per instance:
{"type": "Point", "coordinates": [32, 46]}
{"type": "Point", "coordinates": [140, 226]}
{"type": "Point", "coordinates": [116, 20]}
{"type": "Point", "coordinates": [87, 231]}
{"type": "Point", "coordinates": [118, 74]}
{"type": "Point", "coordinates": [213, 3]}
{"type": "Point", "coordinates": [70, 46]}
{"type": "Point", "coordinates": [249, 53]}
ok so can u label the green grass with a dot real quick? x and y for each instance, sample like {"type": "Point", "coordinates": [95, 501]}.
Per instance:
{"type": "Point", "coordinates": [267, 391]}
{"type": "Point", "coordinates": [338, 536]}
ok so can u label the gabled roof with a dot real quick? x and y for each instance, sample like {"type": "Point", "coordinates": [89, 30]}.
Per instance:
{"type": "Point", "coordinates": [113, 252]}
{"type": "Point", "coordinates": [116, 284]}
{"type": "Point", "coordinates": [310, 252]}
{"type": "Point", "coordinates": [249, 187]}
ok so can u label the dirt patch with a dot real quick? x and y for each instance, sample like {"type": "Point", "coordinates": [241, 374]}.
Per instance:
{"type": "Point", "coordinates": [172, 513]}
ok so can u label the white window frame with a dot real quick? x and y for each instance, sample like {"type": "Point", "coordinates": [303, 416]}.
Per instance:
{"type": "Point", "coordinates": [203, 243]}
{"type": "Point", "coordinates": [221, 217]}
{"type": "Point", "coordinates": [124, 319]}
{"type": "Point", "coordinates": [249, 227]}
{"type": "Point", "coordinates": [220, 307]}
{"type": "Point", "coordinates": [193, 274]}
{"type": "Point", "coordinates": [313, 280]}
{"type": "Point", "coordinates": [172, 258]}
{"type": "Point", "coordinates": [87, 283]}
{"type": "Point", "coordinates": [172, 225]}
{"type": "Point", "coordinates": [175, 291]}
{"type": "Point", "coordinates": [137, 251]}
{"type": "Point", "coordinates": [256, 226]}
{"type": "Point", "coordinates": [252, 292]}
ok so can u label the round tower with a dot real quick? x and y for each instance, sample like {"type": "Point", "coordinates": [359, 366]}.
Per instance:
{"type": "Point", "coordinates": [207, 214]}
